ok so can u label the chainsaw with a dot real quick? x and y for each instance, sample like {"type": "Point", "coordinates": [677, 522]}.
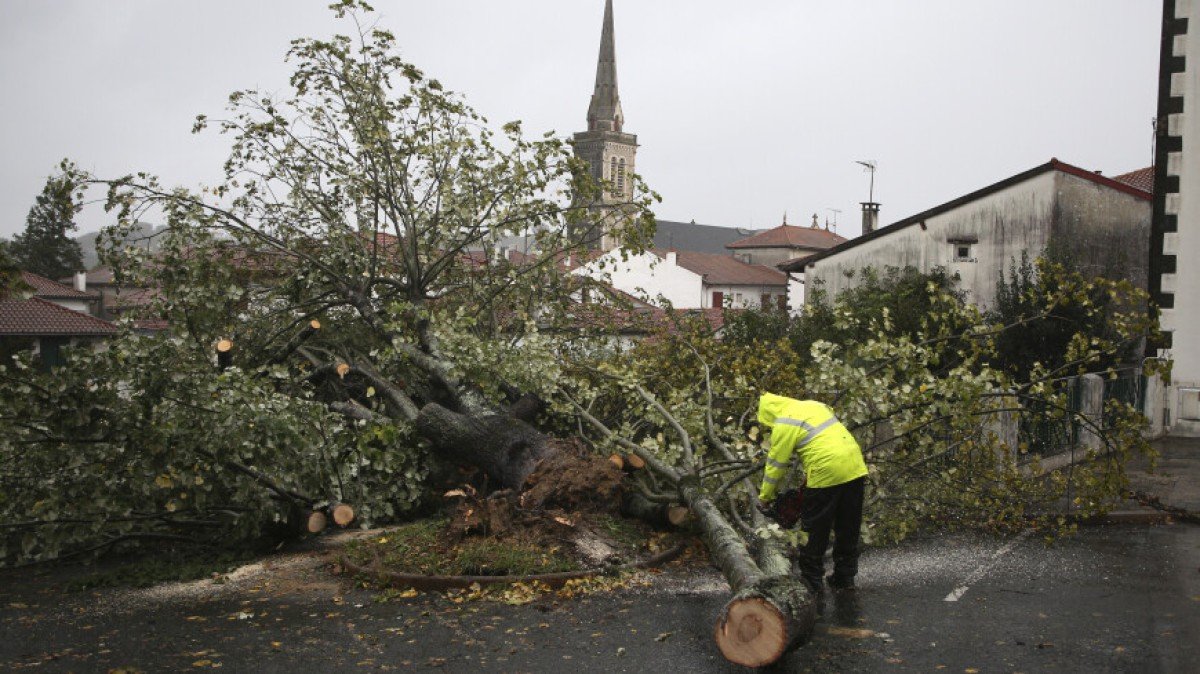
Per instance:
{"type": "Point", "coordinates": [785, 509]}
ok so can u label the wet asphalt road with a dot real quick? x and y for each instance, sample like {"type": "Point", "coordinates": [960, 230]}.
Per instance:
{"type": "Point", "coordinates": [1111, 599]}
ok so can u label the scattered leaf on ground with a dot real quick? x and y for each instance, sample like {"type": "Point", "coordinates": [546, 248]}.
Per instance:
{"type": "Point", "coordinates": [850, 632]}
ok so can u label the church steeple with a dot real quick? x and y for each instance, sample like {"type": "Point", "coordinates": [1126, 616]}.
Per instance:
{"type": "Point", "coordinates": [609, 151]}
{"type": "Point", "coordinates": [604, 114]}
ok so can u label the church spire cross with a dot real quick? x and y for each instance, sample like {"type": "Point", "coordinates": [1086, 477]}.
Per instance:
{"type": "Point", "coordinates": [604, 114]}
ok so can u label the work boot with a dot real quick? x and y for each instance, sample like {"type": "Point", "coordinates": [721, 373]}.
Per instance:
{"type": "Point", "coordinates": [840, 584]}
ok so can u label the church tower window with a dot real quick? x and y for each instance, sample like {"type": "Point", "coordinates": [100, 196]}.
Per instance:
{"type": "Point", "coordinates": [621, 177]}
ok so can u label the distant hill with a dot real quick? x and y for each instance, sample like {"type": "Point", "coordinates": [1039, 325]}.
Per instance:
{"type": "Point", "coordinates": [142, 236]}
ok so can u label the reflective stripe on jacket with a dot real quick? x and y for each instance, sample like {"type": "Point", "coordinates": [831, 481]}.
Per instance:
{"type": "Point", "coordinates": [807, 428]}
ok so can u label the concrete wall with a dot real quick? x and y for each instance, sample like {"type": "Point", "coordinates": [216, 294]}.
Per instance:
{"type": "Point", "coordinates": [1183, 319]}
{"type": "Point", "coordinates": [1005, 224]}
{"type": "Point", "coordinates": [647, 275]}
{"type": "Point", "coordinates": [770, 257]}
{"type": "Point", "coordinates": [1105, 232]}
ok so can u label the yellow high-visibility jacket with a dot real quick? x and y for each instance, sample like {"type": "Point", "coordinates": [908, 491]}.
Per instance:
{"type": "Point", "coordinates": [829, 453]}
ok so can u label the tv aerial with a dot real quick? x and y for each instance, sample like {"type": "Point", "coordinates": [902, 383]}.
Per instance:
{"type": "Point", "coordinates": [870, 165]}
{"type": "Point", "coordinates": [836, 212]}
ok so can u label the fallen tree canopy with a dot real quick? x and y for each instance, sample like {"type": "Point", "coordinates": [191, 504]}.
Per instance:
{"type": "Point", "coordinates": [346, 328]}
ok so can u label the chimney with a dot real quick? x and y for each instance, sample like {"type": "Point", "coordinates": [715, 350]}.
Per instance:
{"type": "Point", "coordinates": [672, 258]}
{"type": "Point", "coordinates": [81, 281]}
{"type": "Point", "coordinates": [870, 221]}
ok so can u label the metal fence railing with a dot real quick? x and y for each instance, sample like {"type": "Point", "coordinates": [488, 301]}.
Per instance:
{"type": "Point", "coordinates": [1050, 428]}
{"type": "Point", "coordinates": [1047, 428]}
{"type": "Point", "coordinates": [1129, 387]}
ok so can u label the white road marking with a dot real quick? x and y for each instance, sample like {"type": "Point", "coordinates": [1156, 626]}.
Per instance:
{"type": "Point", "coordinates": [980, 572]}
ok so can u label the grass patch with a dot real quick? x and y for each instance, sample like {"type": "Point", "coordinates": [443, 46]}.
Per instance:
{"type": "Point", "coordinates": [420, 547]}
{"type": "Point", "coordinates": [625, 532]}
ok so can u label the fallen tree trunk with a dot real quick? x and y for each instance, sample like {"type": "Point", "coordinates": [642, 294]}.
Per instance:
{"type": "Point", "coordinates": [506, 448]}
{"type": "Point", "coordinates": [771, 612]}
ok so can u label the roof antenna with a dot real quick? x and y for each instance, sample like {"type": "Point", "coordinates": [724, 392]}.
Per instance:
{"type": "Point", "coordinates": [1154, 141]}
{"type": "Point", "coordinates": [870, 165]}
{"type": "Point", "coordinates": [836, 211]}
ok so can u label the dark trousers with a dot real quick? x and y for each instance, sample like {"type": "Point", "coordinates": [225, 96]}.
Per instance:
{"type": "Point", "coordinates": [836, 509]}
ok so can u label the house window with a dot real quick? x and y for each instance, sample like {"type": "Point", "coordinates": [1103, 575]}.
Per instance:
{"type": "Point", "coordinates": [766, 300]}
{"type": "Point", "coordinates": [718, 299]}
{"type": "Point", "coordinates": [962, 252]}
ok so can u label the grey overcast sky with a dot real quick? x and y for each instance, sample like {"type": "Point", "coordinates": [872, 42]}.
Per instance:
{"type": "Point", "coordinates": [743, 110]}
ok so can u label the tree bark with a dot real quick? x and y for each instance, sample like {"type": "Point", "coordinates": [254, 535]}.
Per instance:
{"type": "Point", "coordinates": [770, 612]}
{"type": "Point", "coordinates": [506, 448]}
{"type": "Point", "coordinates": [639, 507]}
{"type": "Point", "coordinates": [224, 354]}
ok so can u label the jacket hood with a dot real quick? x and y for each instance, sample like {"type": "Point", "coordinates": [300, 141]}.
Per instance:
{"type": "Point", "coordinates": [770, 406]}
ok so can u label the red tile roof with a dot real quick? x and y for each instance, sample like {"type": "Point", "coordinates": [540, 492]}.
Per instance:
{"type": "Point", "coordinates": [1100, 179]}
{"type": "Point", "coordinates": [36, 317]}
{"type": "Point", "coordinates": [790, 236]}
{"type": "Point", "coordinates": [44, 287]}
{"type": "Point", "coordinates": [136, 297]}
{"type": "Point", "coordinates": [727, 270]}
{"type": "Point", "coordinates": [1143, 179]}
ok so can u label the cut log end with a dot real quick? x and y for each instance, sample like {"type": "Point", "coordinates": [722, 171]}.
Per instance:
{"type": "Point", "coordinates": [635, 462]}
{"type": "Point", "coordinates": [342, 513]}
{"type": "Point", "coordinates": [678, 514]}
{"type": "Point", "coordinates": [224, 346]}
{"type": "Point", "coordinates": [314, 324]}
{"type": "Point", "coordinates": [616, 460]}
{"type": "Point", "coordinates": [753, 632]}
{"type": "Point", "coordinates": [342, 370]}
{"type": "Point", "coordinates": [315, 522]}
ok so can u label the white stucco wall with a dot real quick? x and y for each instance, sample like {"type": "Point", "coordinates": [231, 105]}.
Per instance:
{"type": "Point", "coordinates": [74, 305]}
{"type": "Point", "coordinates": [649, 276]}
{"type": "Point", "coordinates": [1183, 320]}
{"type": "Point", "coordinates": [1104, 230]}
{"type": "Point", "coordinates": [742, 296]}
{"type": "Point", "coordinates": [795, 292]}
{"type": "Point", "coordinates": [1005, 223]}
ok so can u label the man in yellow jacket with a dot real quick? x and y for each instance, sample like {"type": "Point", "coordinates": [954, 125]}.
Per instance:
{"type": "Point", "coordinates": [833, 497]}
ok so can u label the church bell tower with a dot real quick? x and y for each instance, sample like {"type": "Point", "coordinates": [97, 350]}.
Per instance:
{"type": "Point", "coordinates": [609, 151]}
